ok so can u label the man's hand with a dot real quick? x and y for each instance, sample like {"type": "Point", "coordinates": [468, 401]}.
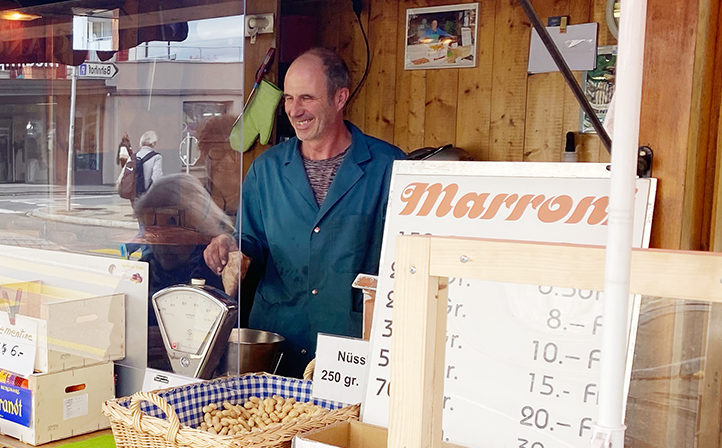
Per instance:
{"type": "Point", "coordinates": [216, 253]}
{"type": "Point", "coordinates": [237, 264]}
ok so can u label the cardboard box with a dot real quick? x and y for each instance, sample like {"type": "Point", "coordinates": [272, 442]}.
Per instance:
{"type": "Point", "coordinates": [72, 331]}
{"type": "Point", "coordinates": [57, 405]}
{"type": "Point", "coordinates": [352, 434]}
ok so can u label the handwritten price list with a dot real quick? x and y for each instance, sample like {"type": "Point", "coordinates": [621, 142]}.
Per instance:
{"type": "Point", "coordinates": [528, 372]}
{"type": "Point", "coordinates": [534, 365]}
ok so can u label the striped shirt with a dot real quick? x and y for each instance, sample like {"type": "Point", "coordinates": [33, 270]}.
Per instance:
{"type": "Point", "coordinates": [321, 173]}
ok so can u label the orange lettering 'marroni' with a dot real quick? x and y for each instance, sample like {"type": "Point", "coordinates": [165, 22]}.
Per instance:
{"type": "Point", "coordinates": [422, 199]}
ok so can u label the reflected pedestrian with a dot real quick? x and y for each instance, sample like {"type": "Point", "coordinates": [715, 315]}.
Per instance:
{"type": "Point", "coordinates": [149, 163]}
{"type": "Point", "coordinates": [125, 151]}
{"type": "Point", "coordinates": [148, 168]}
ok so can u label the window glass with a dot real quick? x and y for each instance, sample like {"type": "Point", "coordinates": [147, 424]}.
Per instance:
{"type": "Point", "coordinates": [86, 86]}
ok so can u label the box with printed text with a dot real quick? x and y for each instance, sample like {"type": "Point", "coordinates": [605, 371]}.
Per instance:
{"type": "Point", "coordinates": [58, 405]}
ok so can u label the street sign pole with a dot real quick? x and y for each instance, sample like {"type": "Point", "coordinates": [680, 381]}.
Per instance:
{"type": "Point", "coordinates": [188, 153]}
{"type": "Point", "coordinates": [71, 137]}
{"type": "Point", "coordinates": [87, 70]}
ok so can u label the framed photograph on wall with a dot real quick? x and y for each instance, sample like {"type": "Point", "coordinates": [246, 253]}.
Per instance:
{"type": "Point", "coordinates": [441, 36]}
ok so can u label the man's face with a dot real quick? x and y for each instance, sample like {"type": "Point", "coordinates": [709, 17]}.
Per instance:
{"type": "Point", "coordinates": [434, 25]}
{"type": "Point", "coordinates": [310, 110]}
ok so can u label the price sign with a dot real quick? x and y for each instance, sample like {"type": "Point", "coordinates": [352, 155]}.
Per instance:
{"type": "Point", "coordinates": [341, 368]}
{"type": "Point", "coordinates": [18, 344]}
{"type": "Point", "coordinates": [523, 359]}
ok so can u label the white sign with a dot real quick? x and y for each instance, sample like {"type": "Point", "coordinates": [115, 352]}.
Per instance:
{"type": "Point", "coordinates": [18, 344]}
{"type": "Point", "coordinates": [577, 45]}
{"type": "Point", "coordinates": [341, 368]}
{"type": "Point", "coordinates": [158, 379]}
{"type": "Point", "coordinates": [522, 359]}
{"type": "Point", "coordinates": [97, 70]}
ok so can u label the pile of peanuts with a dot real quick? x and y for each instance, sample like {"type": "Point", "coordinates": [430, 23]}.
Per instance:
{"type": "Point", "coordinates": [253, 415]}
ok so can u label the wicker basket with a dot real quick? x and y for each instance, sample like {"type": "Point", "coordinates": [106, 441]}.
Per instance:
{"type": "Point", "coordinates": [140, 421]}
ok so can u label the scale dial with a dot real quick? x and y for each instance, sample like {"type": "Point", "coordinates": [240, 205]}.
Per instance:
{"type": "Point", "coordinates": [188, 318]}
{"type": "Point", "coordinates": [195, 322]}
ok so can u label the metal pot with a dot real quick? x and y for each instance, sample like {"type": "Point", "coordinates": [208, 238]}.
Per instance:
{"type": "Point", "coordinates": [446, 152]}
{"type": "Point", "coordinates": [251, 351]}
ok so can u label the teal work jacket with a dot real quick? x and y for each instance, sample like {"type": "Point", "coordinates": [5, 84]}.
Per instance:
{"type": "Point", "coordinates": [312, 254]}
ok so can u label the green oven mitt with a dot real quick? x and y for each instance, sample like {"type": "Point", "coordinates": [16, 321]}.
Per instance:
{"type": "Point", "coordinates": [257, 118]}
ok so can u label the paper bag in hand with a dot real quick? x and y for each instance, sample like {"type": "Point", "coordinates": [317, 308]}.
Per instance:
{"type": "Point", "coordinates": [237, 264]}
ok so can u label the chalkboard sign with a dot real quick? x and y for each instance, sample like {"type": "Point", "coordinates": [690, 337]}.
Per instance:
{"type": "Point", "coordinates": [522, 361]}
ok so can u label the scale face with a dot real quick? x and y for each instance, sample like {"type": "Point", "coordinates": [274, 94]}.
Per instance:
{"type": "Point", "coordinates": [195, 322]}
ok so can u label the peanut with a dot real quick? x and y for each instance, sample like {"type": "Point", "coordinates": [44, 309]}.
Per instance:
{"type": "Point", "coordinates": [255, 414]}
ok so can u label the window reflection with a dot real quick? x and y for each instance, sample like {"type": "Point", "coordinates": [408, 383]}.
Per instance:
{"type": "Point", "coordinates": [169, 68]}
{"type": "Point", "coordinates": [75, 79]}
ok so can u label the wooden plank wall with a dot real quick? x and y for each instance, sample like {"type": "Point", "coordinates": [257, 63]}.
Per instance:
{"type": "Point", "coordinates": [495, 111]}
{"type": "Point", "coordinates": [253, 55]}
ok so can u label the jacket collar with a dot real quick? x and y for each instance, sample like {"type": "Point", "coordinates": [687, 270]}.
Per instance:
{"type": "Point", "coordinates": [350, 171]}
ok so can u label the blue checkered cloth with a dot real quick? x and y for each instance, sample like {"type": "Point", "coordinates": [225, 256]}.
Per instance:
{"type": "Point", "coordinates": [188, 400]}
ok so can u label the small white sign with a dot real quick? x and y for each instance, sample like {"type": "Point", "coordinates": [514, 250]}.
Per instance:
{"type": "Point", "coordinates": [577, 45]}
{"type": "Point", "coordinates": [158, 379]}
{"type": "Point", "coordinates": [18, 344]}
{"type": "Point", "coordinates": [105, 70]}
{"type": "Point", "coordinates": [341, 368]}
{"type": "Point", "coordinates": [74, 407]}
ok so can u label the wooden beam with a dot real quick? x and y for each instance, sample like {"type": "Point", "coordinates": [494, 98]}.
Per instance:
{"type": "Point", "coordinates": [654, 272]}
{"type": "Point", "coordinates": [253, 55]}
{"type": "Point", "coordinates": [417, 370]}
{"type": "Point", "coordinates": [665, 115]}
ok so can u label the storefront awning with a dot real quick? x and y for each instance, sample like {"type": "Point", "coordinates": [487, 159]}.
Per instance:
{"type": "Point", "coordinates": [49, 38]}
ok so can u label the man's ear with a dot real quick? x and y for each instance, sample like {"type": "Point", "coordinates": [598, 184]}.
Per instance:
{"type": "Point", "coordinates": [341, 98]}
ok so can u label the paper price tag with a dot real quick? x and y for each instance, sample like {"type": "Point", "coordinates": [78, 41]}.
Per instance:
{"type": "Point", "coordinates": [341, 368]}
{"type": "Point", "coordinates": [18, 344]}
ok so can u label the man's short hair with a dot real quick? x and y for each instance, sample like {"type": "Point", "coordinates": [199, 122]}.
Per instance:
{"type": "Point", "coordinates": [335, 68]}
{"type": "Point", "coordinates": [149, 138]}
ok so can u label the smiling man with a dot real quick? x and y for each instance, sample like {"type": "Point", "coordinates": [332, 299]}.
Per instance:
{"type": "Point", "coordinates": [313, 212]}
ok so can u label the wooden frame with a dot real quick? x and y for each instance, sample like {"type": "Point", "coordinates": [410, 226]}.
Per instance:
{"type": "Point", "coordinates": [423, 265]}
